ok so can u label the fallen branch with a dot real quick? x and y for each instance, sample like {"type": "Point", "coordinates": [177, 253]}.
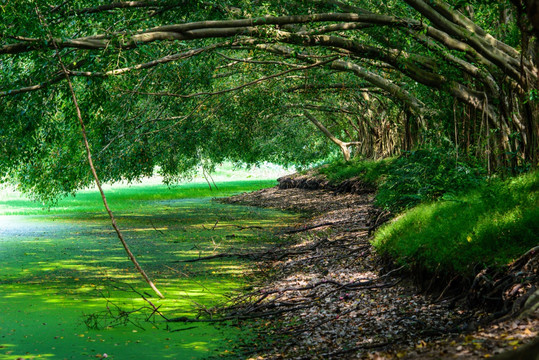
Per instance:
{"type": "Point", "coordinates": [156, 229]}
{"type": "Point", "coordinates": [217, 256]}
{"type": "Point", "coordinates": [309, 228]}
{"type": "Point", "coordinates": [240, 227]}
{"type": "Point", "coordinates": [271, 254]}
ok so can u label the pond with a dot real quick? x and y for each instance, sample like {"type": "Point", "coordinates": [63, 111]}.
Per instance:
{"type": "Point", "coordinates": [66, 285]}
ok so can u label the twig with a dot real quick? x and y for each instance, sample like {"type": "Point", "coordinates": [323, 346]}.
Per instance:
{"type": "Point", "coordinates": [309, 228]}
{"type": "Point", "coordinates": [155, 308]}
{"type": "Point", "coordinates": [445, 289]}
{"type": "Point", "coordinates": [217, 256]}
{"type": "Point", "coordinates": [184, 329]}
{"type": "Point", "coordinates": [156, 229]}
{"type": "Point", "coordinates": [241, 227]}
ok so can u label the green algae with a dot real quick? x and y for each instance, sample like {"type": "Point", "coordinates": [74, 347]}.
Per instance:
{"type": "Point", "coordinates": [61, 270]}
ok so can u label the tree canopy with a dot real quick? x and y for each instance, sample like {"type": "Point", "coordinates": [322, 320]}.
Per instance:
{"type": "Point", "coordinates": [174, 84]}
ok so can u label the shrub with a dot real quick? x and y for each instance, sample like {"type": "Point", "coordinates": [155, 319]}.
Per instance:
{"type": "Point", "coordinates": [425, 175]}
{"type": "Point", "coordinates": [412, 178]}
{"type": "Point", "coordinates": [488, 226]}
{"type": "Point", "coordinates": [369, 171]}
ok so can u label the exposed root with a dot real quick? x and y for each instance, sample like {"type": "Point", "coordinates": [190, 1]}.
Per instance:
{"type": "Point", "coordinates": [505, 291]}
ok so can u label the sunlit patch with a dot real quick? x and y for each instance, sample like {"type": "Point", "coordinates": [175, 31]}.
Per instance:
{"type": "Point", "coordinates": [11, 224]}
{"type": "Point", "coordinates": [60, 267]}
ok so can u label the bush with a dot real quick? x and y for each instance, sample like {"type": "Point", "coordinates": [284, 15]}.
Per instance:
{"type": "Point", "coordinates": [425, 175]}
{"type": "Point", "coordinates": [456, 219]}
{"type": "Point", "coordinates": [369, 171]}
{"type": "Point", "coordinates": [412, 178]}
{"type": "Point", "coordinates": [488, 226]}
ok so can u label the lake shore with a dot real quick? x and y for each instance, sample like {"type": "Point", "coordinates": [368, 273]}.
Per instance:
{"type": "Point", "coordinates": [336, 298]}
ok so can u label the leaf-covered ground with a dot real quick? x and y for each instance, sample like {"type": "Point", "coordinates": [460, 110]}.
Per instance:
{"type": "Point", "coordinates": [336, 300]}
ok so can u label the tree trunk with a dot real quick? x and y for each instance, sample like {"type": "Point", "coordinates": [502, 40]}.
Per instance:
{"type": "Point", "coordinates": [344, 146]}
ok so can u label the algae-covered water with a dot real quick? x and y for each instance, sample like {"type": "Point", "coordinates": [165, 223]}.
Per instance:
{"type": "Point", "coordinates": [62, 271]}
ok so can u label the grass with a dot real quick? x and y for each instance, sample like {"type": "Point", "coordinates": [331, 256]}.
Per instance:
{"type": "Point", "coordinates": [62, 267]}
{"type": "Point", "coordinates": [449, 217]}
{"type": "Point", "coordinates": [370, 171]}
{"type": "Point", "coordinates": [487, 226]}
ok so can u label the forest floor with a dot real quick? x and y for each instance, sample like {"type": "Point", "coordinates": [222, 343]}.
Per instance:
{"type": "Point", "coordinates": [337, 299]}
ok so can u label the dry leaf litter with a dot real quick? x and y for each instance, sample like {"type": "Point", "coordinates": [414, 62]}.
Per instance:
{"type": "Point", "coordinates": [332, 298]}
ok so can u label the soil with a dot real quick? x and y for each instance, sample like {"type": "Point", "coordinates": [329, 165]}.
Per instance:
{"type": "Point", "coordinates": [333, 297]}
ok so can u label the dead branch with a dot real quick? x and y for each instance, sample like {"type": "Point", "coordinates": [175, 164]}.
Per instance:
{"type": "Point", "coordinates": [241, 227]}
{"type": "Point", "coordinates": [309, 228]}
{"type": "Point", "coordinates": [91, 163]}
{"type": "Point", "coordinates": [218, 256]}
{"type": "Point", "coordinates": [156, 229]}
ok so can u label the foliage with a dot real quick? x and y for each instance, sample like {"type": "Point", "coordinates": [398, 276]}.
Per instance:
{"type": "Point", "coordinates": [371, 172]}
{"type": "Point", "coordinates": [411, 178]}
{"type": "Point", "coordinates": [453, 217]}
{"type": "Point", "coordinates": [425, 175]}
{"type": "Point", "coordinates": [488, 226]}
{"type": "Point", "coordinates": [380, 77]}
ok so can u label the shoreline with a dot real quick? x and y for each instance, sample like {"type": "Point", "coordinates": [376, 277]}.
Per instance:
{"type": "Point", "coordinates": [365, 308]}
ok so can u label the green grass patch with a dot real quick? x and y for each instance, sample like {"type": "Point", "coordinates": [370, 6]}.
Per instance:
{"type": "Point", "coordinates": [369, 171]}
{"type": "Point", "coordinates": [489, 225]}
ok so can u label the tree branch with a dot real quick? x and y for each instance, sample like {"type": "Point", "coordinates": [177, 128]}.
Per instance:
{"type": "Point", "coordinates": [194, 30]}
{"type": "Point", "coordinates": [92, 167]}
{"type": "Point", "coordinates": [31, 88]}
{"type": "Point", "coordinates": [265, 78]}
{"type": "Point", "coordinates": [344, 146]}
{"type": "Point", "coordinates": [115, 72]}
{"type": "Point", "coordinates": [504, 61]}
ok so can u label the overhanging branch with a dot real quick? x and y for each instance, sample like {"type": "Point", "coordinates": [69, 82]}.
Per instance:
{"type": "Point", "coordinates": [250, 83]}
{"type": "Point", "coordinates": [343, 145]}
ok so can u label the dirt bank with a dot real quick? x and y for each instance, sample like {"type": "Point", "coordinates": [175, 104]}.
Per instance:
{"type": "Point", "coordinates": [331, 297]}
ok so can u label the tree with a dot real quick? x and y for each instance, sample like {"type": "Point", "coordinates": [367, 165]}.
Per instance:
{"type": "Point", "coordinates": [173, 84]}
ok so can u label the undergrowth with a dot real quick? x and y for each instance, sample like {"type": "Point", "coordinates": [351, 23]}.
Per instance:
{"type": "Point", "coordinates": [414, 177]}
{"type": "Point", "coordinates": [488, 226]}
{"type": "Point", "coordinates": [452, 217]}
{"type": "Point", "coordinates": [425, 175]}
{"type": "Point", "coordinates": [369, 171]}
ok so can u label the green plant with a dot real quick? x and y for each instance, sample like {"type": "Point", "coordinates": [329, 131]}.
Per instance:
{"type": "Point", "coordinates": [488, 226]}
{"type": "Point", "coordinates": [425, 175]}
{"type": "Point", "coordinates": [369, 171]}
